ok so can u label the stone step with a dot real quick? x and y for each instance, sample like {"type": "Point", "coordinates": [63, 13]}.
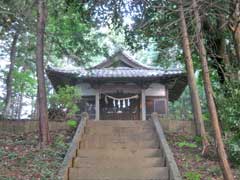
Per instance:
{"type": "Point", "coordinates": [119, 140]}
{"type": "Point", "coordinates": [126, 137]}
{"type": "Point", "coordinates": [118, 153]}
{"type": "Point", "coordinates": [154, 173]}
{"type": "Point", "coordinates": [118, 131]}
{"type": "Point", "coordinates": [120, 125]}
{"type": "Point", "coordinates": [130, 124]}
{"type": "Point", "coordinates": [118, 162]}
{"type": "Point", "coordinates": [117, 135]}
{"type": "Point", "coordinates": [115, 144]}
{"type": "Point", "coordinates": [125, 123]}
{"type": "Point", "coordinates": [119, 150]}
{"type": "Point", "coordinates": [133, 126]}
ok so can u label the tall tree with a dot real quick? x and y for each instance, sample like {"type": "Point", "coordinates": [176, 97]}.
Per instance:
{"type": "Point", "coordinates": [234, 26]}
{"type": "Point", "coordinates": [9, 80]}
{"type": "Point", "coordinates": [191, 80]}
{"type": "Point", "coordinates": [209, 94]}
{"type": "Point", "coordinates": [15, 24]}
{"type": "Point", "coordinates": [42, 100]}
{"type": "Point", "coordinates": [214, 28]}
{"type": "Point", "coordinates": [80, 42]}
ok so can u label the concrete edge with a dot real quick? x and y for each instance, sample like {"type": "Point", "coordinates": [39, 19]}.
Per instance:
{"type": "Point", "coordinates": [174, 173]}
{"type": "Point", "coordinates": [68, 159]}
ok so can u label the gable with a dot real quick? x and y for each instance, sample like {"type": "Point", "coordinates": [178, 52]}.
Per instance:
{"type": "Point", "coordinates": [120, 59]}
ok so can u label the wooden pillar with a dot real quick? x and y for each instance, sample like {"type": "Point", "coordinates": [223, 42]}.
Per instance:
{"type": "Point", "coordinates": [167, 96]}
{"type": "Point", "coordinates": [97, 103]}
{"type": "Point", "coordinates": [143, 101]}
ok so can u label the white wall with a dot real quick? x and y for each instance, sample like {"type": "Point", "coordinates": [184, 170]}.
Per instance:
{"type": "Point", "coordinates": [156, 89]}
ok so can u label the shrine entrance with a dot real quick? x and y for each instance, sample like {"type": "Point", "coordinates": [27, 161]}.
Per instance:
{"type": "Point", "coordinates": [119, 106]}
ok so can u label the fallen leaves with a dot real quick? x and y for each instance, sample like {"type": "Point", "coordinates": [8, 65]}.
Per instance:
{"type": "Point", "coordinates": [191, 162]}
{"type": "Point", "coordinates": [22, 159]}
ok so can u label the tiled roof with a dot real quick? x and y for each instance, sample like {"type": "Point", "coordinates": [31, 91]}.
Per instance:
{"type": "Point", "coordinates": [120, 72]}
{"type": "Point", "coordinates": [175, 79]}
{"type": "Point", "coordinates": [120, 68]}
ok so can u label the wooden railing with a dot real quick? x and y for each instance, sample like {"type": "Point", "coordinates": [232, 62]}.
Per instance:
{"type": "Point", "coordinates": [72, 150]}
{"type": "Point", "coordinates": [174, 173]}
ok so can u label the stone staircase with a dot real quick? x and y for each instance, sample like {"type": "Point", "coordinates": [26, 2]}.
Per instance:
{"type": "Point", "coordinates": [119, 150]}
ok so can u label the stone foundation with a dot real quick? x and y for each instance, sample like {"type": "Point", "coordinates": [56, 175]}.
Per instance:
{"type": "Point", "coordinates": [27, 126]}
{"type": "Point", "coordinates": [176, 126]}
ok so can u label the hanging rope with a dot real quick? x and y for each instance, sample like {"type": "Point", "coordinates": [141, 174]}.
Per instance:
{"type": "Point", "coordinates": [117, 101]}
{"type": "Point", "coordinates": [126, 98]}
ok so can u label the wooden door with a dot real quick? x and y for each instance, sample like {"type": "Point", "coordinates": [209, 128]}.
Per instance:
{"type": "Point", "coordinates": [110, 112]}
{"type": "Point", "coordinates": [156, 104]}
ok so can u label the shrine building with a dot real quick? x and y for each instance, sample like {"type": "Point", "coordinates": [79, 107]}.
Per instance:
{"type": "Point", "coordinates": [120, 88]}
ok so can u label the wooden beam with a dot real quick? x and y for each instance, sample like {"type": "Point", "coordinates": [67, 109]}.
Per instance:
{"type": "Point", "coordinates": [143, 102]}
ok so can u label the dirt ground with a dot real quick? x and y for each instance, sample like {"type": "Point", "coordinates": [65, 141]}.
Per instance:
{"type": "Point", "coordinates": [192, 165]}
{"type": "Point", "coordinates": [21, 158]}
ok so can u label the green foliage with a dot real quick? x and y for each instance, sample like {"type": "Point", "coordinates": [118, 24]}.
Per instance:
{"type": "Point", "coordinates": [228, 101]}
{"type": "Point", "coordinates": [72, 123]}
{"type": "Point", "coordinates": [24, 82]}
{"type": "Point", "coordinates": [6, 178]}
{"type": "Point", "coordinates": [215, 171]}
{"type": "Point", "coordinates": [186, 144]}
{"type": "Point", "coordinates": [2, 153]}
{"type": "Point", "coordinates": [234, 149]}
{"type": "Point", "coordinates": [181, 109]}
{"type": "Point", "coordinates": [198, 157]}
{"type": "Point", "coordinates": [66, 100]}
{"type": "Point", "coordinates": [23, 161]}
{"type": "Point", "coordinates": [59, 142]}
{"type": "Point", "coordinates": [71, 33]}
{"type": "Point", "coordinates": [12, 155]}
{"type": "Point", "coordinates": [192, 176]}
{"type": "Point", "coordinates": [198, 140]}
{"type": "Point", "coordinates": [228, 105]}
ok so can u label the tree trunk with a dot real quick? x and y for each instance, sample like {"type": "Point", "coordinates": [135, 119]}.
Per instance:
{"type": "Point", "coordinates": [33, 106]}
{"type": "Point", "coordinates": [209, 94]}
{"type": "Point", "coordinates": [36, 111]}
{"type": "Point", "coordinates": [222, 56]}
{"type": "Point", "coordinates": [12, 107]}
{"type": "Point", "coordinates": [9, 81]}
{"type": "Point", "coordinates": [222, 50]}
{"type": "Point", "coordinates": [43, 116]}
{"type": "Point", "coordinates": [234, 26]}
{"type": "Point", "coordinates": [236, 36]}
{"type": "Point", "coordinates": [215, 43]}
{"type": "Point", "coordinates": [200, 129]}
{"type": "Point", "coordinates": [20, 101]}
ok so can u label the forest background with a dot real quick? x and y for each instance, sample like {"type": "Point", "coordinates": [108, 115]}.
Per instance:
{"type": "Point", "coordinates": [82, 33]}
